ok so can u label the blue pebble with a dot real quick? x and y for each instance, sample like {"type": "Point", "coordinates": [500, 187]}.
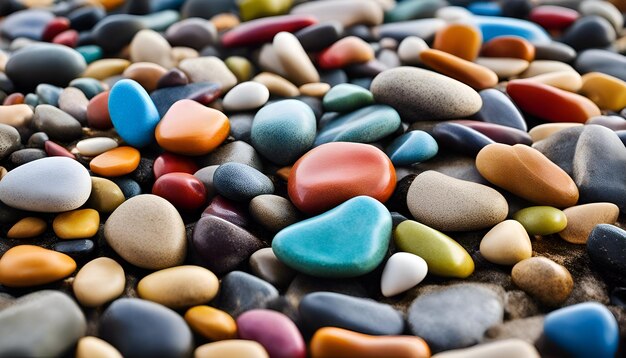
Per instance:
{"type": "Point", "coordinates": [133, 113]}
{"type": "Point", "coordinates": [128, 187]}
{"type": "Point", "coordinates": [241, 182]}
{"type": "Point", "coordinates": [504, 26]}
{"type": "Point", "coordinates": [366, 125]}
{"type": "Point", "coordinates": [77, 249]}
{"type": "Point", "coordinates": [585, 330]}
{"type": "Point", "coordinates": [90, 86]}
{"type": "Point", "coordinates": [485, 8]}
{"type": "Point", "coordinates": [48, 94]}
{"type": "Point", "coordinates": [412, 147]}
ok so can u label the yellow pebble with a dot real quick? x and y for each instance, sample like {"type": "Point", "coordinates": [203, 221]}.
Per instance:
{"type": "Point", "coordinates": [211, 323]}
{"type": "Point", "coordinates": [76, 224]}
{"type": "Point", "coordinates": [317, 89]}
{"type": "Point", "coordinates": [606, 91]}
{"type": "Point", "coordinates": [106, 68]}
{"type": "Point", "coordinates": [27, 227]}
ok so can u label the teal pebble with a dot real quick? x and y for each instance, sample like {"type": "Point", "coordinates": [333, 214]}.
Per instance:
{"type": "Point", "coordinates": [31, 99]}
{"type": "Point", "coordinates": [347, 97]}
{"type": "Point", "coordinates": [412, 147]}
{"type": "Point", "coordinates": [365, 125]}
{"type": "Point", "coordinates": [133, 113]}
{"type": "Point", "coordinates": [414, 9]}
{"type": "Point", "coordinates": [90, 86]}
{"type": "Point", "coordinates": [48, 94]}
{"type": "Point", "coordinates": [492, 26]}
{"type": "Point", "coordinates": [282, 131]}
{"type": "Point", "coordinates": [90, 53]}
{"type": "Point", "coordinates": [347, 241]}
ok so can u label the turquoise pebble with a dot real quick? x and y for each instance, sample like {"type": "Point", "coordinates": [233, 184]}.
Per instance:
{"type": "Point", "coordinates": [585, 330]}
{"type": "Point", "coordinates": [133, 113]}
{"type": "Point", "coordinates": [485, 8]}
{"type": "Point", "coordinates": [90, 53]}
{"type": "Point", "coordinates": [160, 21]}
{"type": "Point", "coordinates": [90, 86]}
{"type": "Point", "coordinates": [365, 125]}
{"type": "Point", "coordinates": [412, 147]}
{"type": "Point", "coordinates": [492, 26]}
{"type": "Point", "coordinates": [48, 94]}
{"type": "Point", "coordinates": [282, 131]}
{"type": "Point", "coordinates": [31, 99]}
{"type": "Point", "coordinates": [413, 9]}
{"type": "Point", "coordinates": [347, 241]}
{"type": "Point", "coordinates": [347, 97]}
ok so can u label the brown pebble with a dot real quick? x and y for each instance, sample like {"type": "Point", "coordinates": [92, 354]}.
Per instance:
{"type": "Point", "coordinates": [581, 219]}
{"type": "Point", "coordinates": [146, 74]}
{"type": "Point", "coordinates": [544, 279]}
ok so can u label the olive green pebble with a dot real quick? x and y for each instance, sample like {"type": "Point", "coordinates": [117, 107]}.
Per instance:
{"type": "Point", "coordinates": [541, 220]}
{"type": "Point", "coordinates": [240, 67]}
{"type": "Point", "coordinates": [347, 97]}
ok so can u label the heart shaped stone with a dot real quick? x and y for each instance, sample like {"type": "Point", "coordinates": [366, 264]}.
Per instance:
{"type": "Point", "coordinates": [347, 241]}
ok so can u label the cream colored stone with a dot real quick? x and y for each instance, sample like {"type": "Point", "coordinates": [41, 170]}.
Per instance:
{"type": "Point", "coordinates": [268, 61]}
{"type": "Point", "coordinates": [581, 219]}
{"type": "Point", "coordinates": [506, 244]}
{"type": "Point", "coordinates": [539, 67]}
{"type": "Point", "coordinates": [231, 348]}
{"type": "Point", "coordinates": [94, 347]}
{"type": "Point", "coordinates": [105, 68]}
{"type": "Point", "coordinates": [277, 85]}
{"type": "Point", "coordinates": [209, 69]}
{"type": "Point", "coordinates": [149, 46]}
{"type": "Point", "coordinates": [300, 70]}
{"type": "Point", "coordinates": [509, 348]}
{"type": "Point", "coordinates": [16, 115]}
{"type": "Point", "coordinates": [565, 80]}
{"type": "Point", "coordinates": [179, 54]}
{"type": "Point", "coordinates": [347, 12]}
{"type": "Point", "coordinates": [179, 287]}
{"type": "Point", "coordinates": [504, 67]}
{"type": "Point", "coordinates": [409, 50]}
{"type": "Point", "coordinates": [545, 130]}
{"type": "Point", "coordinates": [317, 89]}
{"type": "Point", "coordinates": [98, 282]}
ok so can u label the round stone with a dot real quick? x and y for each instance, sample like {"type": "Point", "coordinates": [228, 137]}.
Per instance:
{"type": "Point", "coordinates": [149, 46]}
{"type": "Point", "coordinates": [273, 212]}
{"type": "Point", "coordinates": [28, 265]}
{"type": "Point", "coordinates": [133, 113]}
{"type": "Point", "coordinates": [179, 287]}
{"type": "Point", "coordinates": [211, 323]}
{"type": "Point", "coordinates": [92, 147]}
{"type": "Point", "coordinates": [241, 182]}
{"type": "Point", "coordinates": [461, 40]}
{"type": "Point", "coordinates": [105, 196]}
{"type": "Point", "coordinates": [183, 190]}
{"type": "Point", "coordinates": [76, 224]}
{"type": "Point", "coordinates": [506, 243]}
{"type": "Point", "coordinates": [100, 281]}
{"type": "Point", "coordinates": [89, 347]}
{"type": "Point", "coordinates": [581, 219]}
{"type": "Point", "coordinates": [541, 220]}
{"type": "Point", "coordinates": [402, 272]}
{"type": "Point", "coordinates": [412, 147]}
{"type": "Point", "coordinates": [116, 162]}
{"type": "Point", "coordinates": [10, 140]}
{"type": "Point", "coordinates": [544, 279]}
{"type": "Point", "coordinates": [246, 96]}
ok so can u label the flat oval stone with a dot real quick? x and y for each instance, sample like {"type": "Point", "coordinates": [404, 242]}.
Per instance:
{"type": "Point", "coordinates": [601, 61]}
{"type": "Point", "coordinates": [446, 203]}
{"type": "Point", "coordinates": [241, 182]}
{"type": "Point", "coordinates": [444, 256]}
{"type": "Point", "coordinates": [589, 32]}
{"type": "Point", "coordinates": [100, 281]}
{"type": "Point", "coordinates": [503, 67]}
{"type": "Point", "coordinates": [273, 212]}
{"type": "Point", "coordinates": [509, 46]}
{"type": "Point", "coordinates": [283, 339]}
{"type": "Point", "coordinates": [56, 123]}
{"type": "Point", "coordinates": [544, 279]}
{"type": "Point", "coordinates": [541, 220]}
{"type": "Point", "coordinates": [265, 264]}
{"type": "Point", "coordinates": [564, 326]}
{"type": "Point", "coordinates": [347, 12]}
{"type": "Point", "coordinates": [30, 328]}
{"type": "Point", "coordinates": [76, 249]}
{"type": "Point", "coordinates": [31, 24]}
{"type": "Point", "coordinates": [172, 163]}
{"type": "Point", "coordinates": [606, 246]}
{"type": "Point", "coordinates": [350, 50]}
{"type": "Point", "coordinates": [114, 32]}
{"type": "Point", "coordinates": [305, 246]}
{"type": "Point", "coordinates": [201, 92]}
{"type": "Point", "coordinates": [44, 63]}
{"type": "Point", "coordinates": [133, 113]}
{"type": "Point", "coordinates": [105, 68]}
{"type": "Point", "coordinates": [149, 46]}
{"type": "Point", "coordinates": [105, 196]}
{"type": "Point", "coordinates": [318, 37]}
{"type": "Point", "coordinates": [605, 10]}
{"type": "Point", "coordinates": [512, 347]}
{"type": "Point", "coordinates": [283, 131]}
{"type": "Point", "coordinates": [606, 91]}
{"type": "Point", "coordinates": [231, 348]}
{"type": "Point", "coordinates": [263, 30]}
{"type": "Point", "coordinates": [412, 147]}
{"type": "Point", "coordinates": [90, 346]}
{"type": "Point", "coordinates": [211, 323]}
{"type": "Point", "coordinates": [130, 323]}
{"type": "Point", "coordinates": [455, 316]}
{"type": "Point", "coordinates": [76, 224]}
{"type": "Point", "coordinates": [190, 128]}
{"type": "Point", "coordinates": [208, 69]}
{"type": "Point", "coordinates": [147, 231]}
{"type": "Point", "coordinates": [330, 342]}
{"type": "Point", "coordinates": [558, 105]}
{"type": "Point", "coordinates": [67, 185]}
{"type": "Point", "coordinates": [116, 162]}
{"type": "Point", "coordinates": [497, 108]}
{"type": "Point", "coordinates": [566, 80]}
{"type": "Point", "coordinates": [552, 17]}
{"type": "Point", "coordinates": [10, 140]}
{"type": "Point", "coordinates": [16, 115]}
{"type": "Point", "coordinates": [183, 190]}
{"type": "Point", "coordinates": [323, 309]}
{"type": "Point", "coordinates": [192, 32]}
{"type": "Point", "coordinates": [350, 169]}
{"type": "Point", "coordinates": [581, 219]}
{"type": "Point", "coordinates": [507, 243]}
{"type": "Point", "coordinates": [92, 147]}
{"type": "Point", "coordinates": [421, 28]}
{"type": "Point", "coordinates": [237, 151]}
{"type": "Point", "coordinates": [460, 40]}
{"type": "Point", "coordinates": [365, 125]}
{"type": "Point", "coordinates": [546, 130]}
{"type": "Point", "coordinates": [179, 287]}
{"type": "Point", "coordinates": [27, 155]}
{"type": "Point", "coordinates": [241, 292]}
{"type": "Point", "coordinates": [347, 97]}
{"type": "Point", "coordinates": [55, 150]}
{"type": "Point", "coordinates": [497, 132]}
{"type": "Point", "coordinates": [554, 51]}
{"type": "Point", "coordinates": [460, 138]}
{"type": "Point", "coordinates": [28, 265]}
{"type": "Point", "coordinates": [494, 26]}
{"type": "Point", "coordinates": [246, 96]}
{"type": "Point", "coordinates": [402, 272]}
{"type": "Point", "coordinates": [146, 74]}
{"type": "Point", "coordinates": [424, 95]}
{"type": "Point", "coordinates": [526, 172]}
{"type": "Point", "coordinates": [27, 227]}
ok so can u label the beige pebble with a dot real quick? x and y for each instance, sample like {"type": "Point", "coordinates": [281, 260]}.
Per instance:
{"type": "Point", "coordinates": [506, 244]}
{"type": "Point", "coordinates": [105, 68]}
{"type": "Point", "coordinates": [581, 219]}
{"type": "Point", "coordinates": [231, 348]}
{"type": "Point", "coordinates": [539, 67]}
{"type": "Point", "coordinates": [180, 53]}
{"type": "Point", "coordinates": [98, 282]}
{"type": "Point", "coordinates": [149, 46]}
{"type": "Point", "coordinates": [295, 61]}
{"type": "Point", "coordinates": [208, 69]}
{"type": "Point", "coordinates": [4, 58]}
{"type": "Point", "coordinates": [544, 279]}
{"type": "Point", "coordinates": [268, 61]}
{"type": "Point", "coordinates": [347, 12]}
{"type": "Point", "coordinates": [16, 115]}
{"type": "Point", "coordinates": [94, 347]}
{"type": "Point", "coordinates": [277, 85]}
{"type": "Point", "coordinates": [565, 80]}
{"type": "Point", "coordinates": [509, 348]}
{"type": "Point", "coordinates": [503, 67]}
{"type": "Point", "coordinates": [179, 287]}
{"type": "Point", "coordinates": [317, 89]}
{"type": "Point", "coordinates": [545, 130]}
{"type": "Point", "coordinates": [409, 50]}
{"type": "Point", "coordinates": [146, 74]}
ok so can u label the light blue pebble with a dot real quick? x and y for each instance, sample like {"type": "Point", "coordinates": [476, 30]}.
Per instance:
{"type": "Point", "coordinates": [48, 94]}
{"type": "Point", "coordinates": [412, 147]}
{"type": "Point", "coordinates": [133, 113]}
{"type": "Point", "coordinates": [585, 330]}
{"type": "Point", "coordinates": [485, 8]}
{"type": "Point", "coordinates": [365, 125]}
{"type": "Point", "coordinates": [504, 26]}
{"type": "Point", "coordinates": [347, 241]}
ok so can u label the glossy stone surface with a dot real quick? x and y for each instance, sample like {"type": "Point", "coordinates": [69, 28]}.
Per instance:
{"type": "Point", "coordinates": [211, 323]}
{"type": "Point", "coordinates": [116, 162]}
{"type": "Point", "coordinates": [581, 219]}
{"type": "Point", "coordinates": [474, 75]}
{"type": "Point", "coordinates": [507, 243]}
{"type": "Point", "coordinates": [183, 190]}
{"type": "Point", "coordinates": [541, 220]}
{"type": "Point", "coordinates": [28, 265]}
{"type": "Point", "coordinates": [76, 224]}
{"type": "Point", "coordinates": [274, 331]}
{"type": "Point", "coordinates": [402, 272]}
{"type": "Point", "coordinates": [99, 281]}
{"type": "Point", "coordinates": [544, 279]}
{"type": "Point", "coordinates": [133, 113]}
{"type": "Point", "coordinates": [179, 287]}
{"type": "Point", "coordinates": [412, 147]}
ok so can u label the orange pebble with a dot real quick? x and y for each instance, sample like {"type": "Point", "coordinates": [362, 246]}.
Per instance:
{"type": "Point", "coordinates": [116, 162]}
{"type": "Point", "coordinates": [29, 265]}
{"type": "Point", "coordinates": [509, 46]}
{"type": "Point", "coordinates": [225, 21]}
{"type": "Point", "coordinates": [283, 173]}
{"type": "Point", "coordinates": [474, 75]}
{"type": "Point", "coordinates": [347, 51]}
{"type": "Point", "coordinates": [461, 40]}
{"type": "Point", "coordinates": [211, 323]}
{"type": "Point", "coordinates": [331, 342]}
{"type": "Point", "coordinates": [26, 228]}
{"type": "Point", "coordinates": [111, 4]}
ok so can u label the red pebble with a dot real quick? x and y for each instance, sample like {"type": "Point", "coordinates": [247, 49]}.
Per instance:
{"type": "Point", "coordinates": [173, 163]}
{"type": "Point", "coordinates": [55, 27]}
{"type": "Point", "coordinates": [55, 150]}
{"type": "Point", "coordinates": [68, 38]}
{"type": "Point", "coordinates": [183, 190]}
{"type": "Point", "coordinates": [263, 30]}
{"type": "Point", "coordinates": [98, 112]}
{"type": "Point", "coordinates": [553, 17]}
{"type": "Point", "coordinates": [13, 98]}
{"type": "Point", "coordinates": [228, 210]}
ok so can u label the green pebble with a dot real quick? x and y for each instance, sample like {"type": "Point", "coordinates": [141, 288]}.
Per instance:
{"type": "Point", "coordinates": [347, 97]}
{"type": "Point", "coordinates": [254, 9]}
{"type": "Point", "coordinates": [444, 256]}
{"type": "Point", "coordinates": [91, 53]}
{"type": "Point", "coordinates": [241, 67]}
{"type": "Point", "coordinates": [541, 220]}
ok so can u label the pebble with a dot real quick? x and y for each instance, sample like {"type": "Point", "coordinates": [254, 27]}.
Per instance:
{"type": "Point", "coordinates": [192, 32]}
{"type": "Point", "coordinates": [146, 74]}
{"type": "Point", "coordinates": [208, 69]}
{"type": "Point", "coordinates": [179, 287]}
{"type": "Point", "coordinates": [350, 50]}
{"type": "Point", "coordinates": [92, 147]}
{"type": "Point", "coordinates": [266, 265]}
{"type": "Point", "coordinates": [16, 115]}
{"type": "Point", "coordinates": [76, 224]}
{"type": "Point", "coordinates": [368, 124]}
{"type": "Point", "coordinates": [494, 26]}
{"type": "Point", "coordinates": [330, 309]}
{"type": "Point", "coordinates": [10, 140]}
{"type": "Point", "coordinates": [456, 316]}
{"type": "Point", "coordinates": [140, 328]}
{"type": "Point", "coordinates": [116, 162]}
{"type": "Point", "coordinates": [149, 46]}
{"type": "Point", "coordinates": [105, 68]}
{"type": "Point", "coordinates": [27, 228]}
{"type": "Point", "coordinates": [231, 348]}
{"type": "Point", "coordinates": [444, 256]}
{"type": "Point", "coordinates": [28, 265]}
{"type": "Point", "coordinates": [147, 231]}
{"type": "Point", "coordinates": [544, 279]}
{"type": "Point", "coordinates": [446, 203]}
{"type": "Point", "coordinates": [606, 246]}
{"type": "Point", "coordinates": [503, 67]}
{"type": "Point", "coordinates": [589, 32]}
{"type": "Point", "coordinates": [274, 331]}
{"type": "Point", "coordinates": [201, 92]}
{"type": "Point", "coordinates": [347, 97]}
{"type": "Point", "coordinates": [56, 123]}
{"type": "Point", "coordinates": [410, 48]}
{"type": "Point", "coordinates": [564, 328]}
{"type": "Point", "coordinates": [98, 282]}
{"type": "Point", "coordinates": [347, 12]}
{"type": "Point", "coordinates": [277, 85]}
{"type": "Point", "coordinates": [29, 328]}
{"type": "Point", "coordinates": [76, 249]}
{"type": "Point", "coordinates": [315, 89]}
{"type": "Point", "coordinates": [402, 272]}
{"type": "Point", "coordinates": [541, 220]}
{"type": "Point", "coordinates": [238, 152]}
{"type": "Point", "coordinates": [67, 185]}
{"type": "Point", "coordinates": [507, 243]}
{"type": "Point", "coordinates": [513, 172]}
{"type": "Point", "coordinates": [211, 323]}
{"type": "Point", "coordinates": [241, 292]}
{"type": "Point", "coordinates": [424, 95]}
{"type": "Point", "coordinates": [553, 18]}
{"type": "Point", "coordinates": [246, 96]}
{"type": "Point", "coordinates": [190, 128]}
{"type": "Point", "coordinates": [566, 80]}
{"type": "Point", "coordinates": [581, 219]}
{"type": "Point", "coordinates": [23, 156]}
{"type": "Point", "coordinates": [307, 246]}
{"type": "Point", "coordinates": [461, 40]}
{"type": "Point", "coordinates": [331, 342]}
{"type": "Point", "coordinates": [546, 130]}
{"type": "Point", "coordinates": [129, 100]}
{"type": "Point", "coordinates": [498, 133]}
{"type": "Point", "coordinates": [74, 102]}
{"type": "Point", "coordinates": [105, 196]}
{"type": "Point", "coordinates": [511, 347]}
{"type": "Point", "coordinates": [241, 182]}
{"type": "Point", "coordinates": [273, 212]}
{"type": "Point", "coordinates": [411, 148]}
{"type": "Point", "coordinates": [98, 115]}
{"type": "Point", "coordinates": [183, 190]}
{"type": "Point", "coordinates": [90, 346]}
{"type": "Point", "coordinates": [606, 91]}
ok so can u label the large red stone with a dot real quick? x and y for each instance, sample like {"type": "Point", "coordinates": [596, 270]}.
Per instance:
{"type": "Point", "coordinates": [553, 17]}
{"type": "Point", "coordinates": [183, 190]}
{"type": "Point", "coordinates": [332, 173]}
{"type": "Point", "coordinates": [263, 30]}
{"type": "Point", "coordinates": [173, 163]}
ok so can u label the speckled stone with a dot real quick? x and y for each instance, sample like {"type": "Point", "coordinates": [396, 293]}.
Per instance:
{"type": "Point", "coordinates": [544, 279]}
{"type": "Point", "coordinates": [365, 125]}
{"type": "Point", "coordinates": [273, 212]}
{"type": "Point", "coordinates": [241, 182]}
{"type": "Point", "coordinates": [241, 292]}
{"type": "Point", "coordinates": [10, 140]}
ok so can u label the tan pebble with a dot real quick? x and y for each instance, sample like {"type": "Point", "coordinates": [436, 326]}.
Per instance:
{"type": "Point", "coordinates": [100, 281]}
{"type": "Point", "coordinates": [211, 323]}
{"type": "Point", "coordinates": [105, 195]}
{"type": "Point", "coordinates": [105, 68]}
{"type": "Point", "coordinates": [565, 80]}
{"type": "Point", "coordinates": [409, 50]}
{"type": "Point", "coordinates": [581, 219]}
{"type": "Point", "coordinates": [76, 224]}
{"type": "Point", "coordinates": [208, 69]}
{"type": "Point", "coordinates": [149, 46]}
{"type": "Point", "coordinates": [180, 53]}
{"type": "Point", "coordinates": [27, 228]}
{"type": "Point", "coordinates": [3, 172]}
{"type": "Point", "coordinates": [539, 67]}
{"type": "Point", "coordinates": [4, 58]}
{"type": "Point", "coordinates": [504, 67]}
{"type": "Point", "coordinates": [509, 348]}
{"type": "Point", "coordinates": [545, 130]}
{"type": "Point", "coordinates": [16, 115]}
{"type": "Point", "coordinates": [225, 21]}
{"type": "Point", "coordinates": [347, 12]}
{"type": "Point", "coordinates": [506, 244]}
{"type": "Point", "coordinates": [277, 85]}
{"type": "Point", "coordinates": [295, 61]}
{"type": "Point", "coordinates": [544, 279]}
{"type": "Point", "coordinates": [318, 89]}
{"type": "Point", "coordinates": [146, 74]}
{"type": "Point", "coordinates": [268, 61]}
{"type": "Point", "coordinates": [179, 287]}
{"type": "Point", "coordinates": [231, 348]}
{"type": "Point", "coordinates": [94, 347]}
